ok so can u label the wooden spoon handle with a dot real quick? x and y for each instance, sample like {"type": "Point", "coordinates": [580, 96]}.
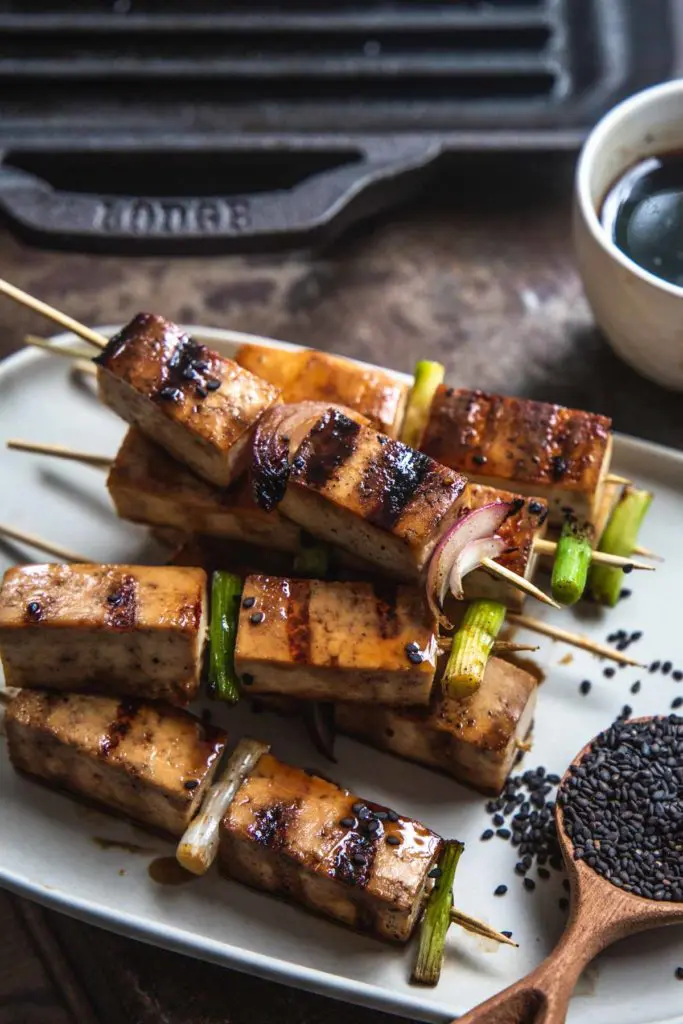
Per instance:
{"type": "Point", "coordinates": [542, 997]}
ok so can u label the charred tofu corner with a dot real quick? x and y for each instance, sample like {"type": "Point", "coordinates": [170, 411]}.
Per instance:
{"type": "Point", "coordinates": [129, 629]}
{"type": "Point", "coordinates": [198, 405]}
{"type": "Point", "coordinates": [300, 836]}
{"type": "Point", "coordinates": [150, 762]}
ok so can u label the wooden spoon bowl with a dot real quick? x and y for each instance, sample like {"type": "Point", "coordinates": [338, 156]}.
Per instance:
{"type": "Point", "coordinates": [600, 914]}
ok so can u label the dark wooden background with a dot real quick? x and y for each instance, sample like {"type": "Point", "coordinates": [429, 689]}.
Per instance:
{"type": "Point", "coordinates": [478, 274]}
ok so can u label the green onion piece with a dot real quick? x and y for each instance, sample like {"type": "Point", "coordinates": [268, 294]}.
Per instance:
{"type": "Point", "coordinates": [312, 561]}
{"type": "Point", "coordinates": [226, 591]}
{"type": "Point", "coordinates": [437, 918]}
{"type": "Point", "coordinates": [572, 562]}
{"type": "Point", "coordinates": [472, 644]}
{"type": "Point", "coordinates": [428, 376]}
{"type": "Point", "coordinates": [619, 538]}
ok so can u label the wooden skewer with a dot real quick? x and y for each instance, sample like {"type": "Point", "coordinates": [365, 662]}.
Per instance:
{"type": "Point", "coordinates": [602, 650]}
{"type": "Point", "coordinates": [444, 644]}
{"type": "Point", "coordinates": [524, 745]}
{"type": "Point", "coordinates": [57, 451]}
{"type": "Point", "coordinates": [24, 299]}
{"type": "Point", "coordinates": [518, 581]}
{"type": "Point", "coordinates": [56, 350]}
{"type": "Point", "coordinates": [549, 547]}
{"type": "Point", "coordinates": [472, 924]}
{"type": "Point", "coordinates": [84, 366]}
{"type": "Point", "coordinates": [34, 541]}
{"type": "Point", "coordinates": [613, 478]}
{"type": "Point", "coordinates": [646, 553]}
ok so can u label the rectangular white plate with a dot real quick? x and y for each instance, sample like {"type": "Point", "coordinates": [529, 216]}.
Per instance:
{"type": "Point", "coordinates": [47, 850]}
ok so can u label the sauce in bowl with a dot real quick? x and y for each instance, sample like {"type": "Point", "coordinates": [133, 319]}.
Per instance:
{"type": "Point", "coordinates": [643, 215]}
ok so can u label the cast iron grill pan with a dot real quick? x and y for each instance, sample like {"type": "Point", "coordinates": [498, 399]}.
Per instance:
{"type": "Point", "coordinates": [142, 126]}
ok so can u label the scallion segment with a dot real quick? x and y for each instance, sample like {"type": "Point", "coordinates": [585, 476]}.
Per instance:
{"type": "Point", "coordinates": [572, 562]}
{"type": "Point", "coordinates": [471, 647]}
{"type": "Point", "coordinates": [226, 591]}
{"type": "Point", "coordinates": [428, 376]}
{"type": "Point", "coordinates": [619, 538]}
{"type": "Point", "coordinates": [437, 918]}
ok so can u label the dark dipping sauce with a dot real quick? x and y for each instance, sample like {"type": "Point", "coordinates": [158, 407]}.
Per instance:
{"type": "Point", "coordinates": [643, 215]}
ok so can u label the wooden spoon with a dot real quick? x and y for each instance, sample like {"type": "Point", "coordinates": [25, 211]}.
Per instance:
{"type": "Point", "coordinates": [600, 915]}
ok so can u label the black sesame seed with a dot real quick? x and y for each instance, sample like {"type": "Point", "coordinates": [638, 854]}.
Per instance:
{"type": "Point", "coordinates": [563, 903]}
{"type": "Point", "coordinates": [249, 602]}
{"type": "Point", "coordinates": [677, 702]}
{"type": "Point", "coordinates": [666, 667]}
{"type": "Point", "coordinates": [535, 507]}
{"type": "Point", "coordinates": [247, 679]}
{"type": "Point", "coordinates": [608, 672]}
{"type": "Point", "coordinates": [479, 460]}
{"type": "Point", "coordinates": [508, 935]}
{"type": "Point", "coordinates": [624, 593]}
{"type": "Point", "coordinates": [416, 657]}
{"type": "Point", "coordinates": [190, 783]}
{"type": "Point", "coordinates": [200, 392]}
{"type": "Point", "coordinates": [34, 609]}
{"type": "Point", "coordinates": [393, 840]}
{"type": "Point", "coordinates": [486, 834]}
{"type": "Point", "coordinates": [348, 822]}
{"type": "Point", "coordinates": [412, 646]}
{"type": "Point", "coordinates": [627, 569]}
{"type": "Point", "coordinates": [678, 973]}
{"type": "Point", "coordinates": [677, 675]}
{"type": "Point", "coordinates": [500, 890]}
{"type": "Point", "coordinates": [543, 873]}
{"type": "Point", "coordinates": [373, 825]}
{"type": "Point", "coordinates": [655, 666]}
{"type": "Point", "coordinates": [435, 872]}
{"type": "Point", "coordinates": [212, 385]}
{"type": "Point", "coordinates": [529, 884]}
{"type": "Point", "coordinates": [498, 820]}
{"type": "Point", "coordinates": [170, 394]}
{"type": "Point", "coordinates": [257, 617]}
{"type": "Point", "coordinates": [504, 833]}
{"type": "Point", "coordinates": [392, 816]}
{"type": "Point", "coordinates": [636, 635]}
{"type": "Point", "coordinates": [585, 687]}
{"type": "Point", "coordinates": [358, 806]}
{"type": "Point", "coordinates": [636, 686]}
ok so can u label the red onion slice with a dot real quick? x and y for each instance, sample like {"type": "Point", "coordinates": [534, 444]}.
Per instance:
{"type": "Point", "coordinates": [476, 525]}
{"type": "Point", "coordinates": [471, 556]}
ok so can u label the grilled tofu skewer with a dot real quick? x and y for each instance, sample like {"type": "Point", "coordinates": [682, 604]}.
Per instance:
{"type": "Point", "coordinates": [119, 629]}
{"type": "Point", "coordinates": [195, 403]}
{"type": "Point", "coordinates": [149, 761]}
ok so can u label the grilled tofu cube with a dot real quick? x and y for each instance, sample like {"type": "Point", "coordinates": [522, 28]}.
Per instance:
{"type": "Point", "coordinates": [527, 522]}
{"type": "Point", "coordinates": [122, 629]}
{"type": "Point", "coordinates": [299, 836]}
{"type": "Point", "coordinates": [319, 376]}
{"type": "Point", "coordinates": [374, 496]}
{"type": "Point", "coordinates": [198, 405]}
{"type": "Point", "coordinates": [336, 641]}
{"type": "Point", "coordinates": [473, 739]}
{"type": "Point", "coordinates": [148, 486]}
{"type": "Point", "coordinates": [561, 455]}
{"type": "Point", "coordinates": [151, 762]}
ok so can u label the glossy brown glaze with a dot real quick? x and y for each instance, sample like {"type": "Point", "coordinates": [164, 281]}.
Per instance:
{"type": "Point", "coordinates": [118, 629]}
{"type": "Point", "coordinates": [472, 739]}
{"type": "Point", "coordinates": [148, 486]}
{"type": "Point", "coordinates": [327, 640]}
{"type": "Point", "coordinates": [499, 440]}
{"type": "Point", "coordinates": [200, 406]}
{"type": "Point", "coordinates": [328, 378]}
{"type": "Point", "coordinates": [301, 836]}
{"type": "Point", "coordinates": [371, 495]}
{"type": "Point", "coordinates": [132, 756]}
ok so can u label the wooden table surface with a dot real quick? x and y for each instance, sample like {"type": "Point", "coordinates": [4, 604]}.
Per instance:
{"type": "Point", "coordinates": [479, 275]}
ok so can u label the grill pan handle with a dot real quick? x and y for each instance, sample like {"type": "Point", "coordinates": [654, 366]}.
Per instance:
{"type": "Point", "coordinates": [313, 211]}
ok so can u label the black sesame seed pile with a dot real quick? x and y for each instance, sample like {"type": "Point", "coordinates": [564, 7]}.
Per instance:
{"type": "Point", "coordinates": [623, 807]}
{"type": "Point", "coordinates": [526, 806]}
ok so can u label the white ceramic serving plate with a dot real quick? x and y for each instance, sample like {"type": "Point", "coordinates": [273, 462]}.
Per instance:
{"type": "Point", "coordinates": [47, 850]}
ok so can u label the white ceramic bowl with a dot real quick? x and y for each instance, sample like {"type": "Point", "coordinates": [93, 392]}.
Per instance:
{"type": "Point", "coordinates": [641, 315]}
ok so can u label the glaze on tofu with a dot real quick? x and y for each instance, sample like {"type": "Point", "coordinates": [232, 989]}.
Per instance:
{"type": "Point", "coordinates": [148, 486]}
{"type": "Point", "coordinates": [561, 455]}
{"type": "Point", "coordinates": [336, 641]}
{"type": "Point", "coordinates": [198, 405]}
{"type": "Point", "coordinates": [300, 836]}
{"type": "Point", "coordinates": [318, 376]}
{"type": "Point", "coordinates": [371, 495]}
{"type": "Point", "coordinates": [122, 629]}
{"type": "Point", "coordinates": [150, 762]}
{"type": "Point", "coordinates": [474, 739]}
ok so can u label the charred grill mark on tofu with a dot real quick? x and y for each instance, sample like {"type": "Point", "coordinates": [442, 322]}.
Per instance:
{"type": "Point", "coordinates": [297, 621]}
{"type": "Point", "coordinates": [121, 610]}
{"type": "Point", "coordinates": [392, 481]}
{"type": "Point", "coordinates": [354, 858]}
{"type": "Point", "coordinates": [514, 438]}
{"type": "Point", "coordinates": [119, 728]}
{"type": "Point", "coordinates": [386, 596]}
{"type": "Point", "coordinates": [269, 472]}
{"type": "Point", "coordinates": [272, 823]}
{"type": "Point", "coordinates": [330, 444]}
